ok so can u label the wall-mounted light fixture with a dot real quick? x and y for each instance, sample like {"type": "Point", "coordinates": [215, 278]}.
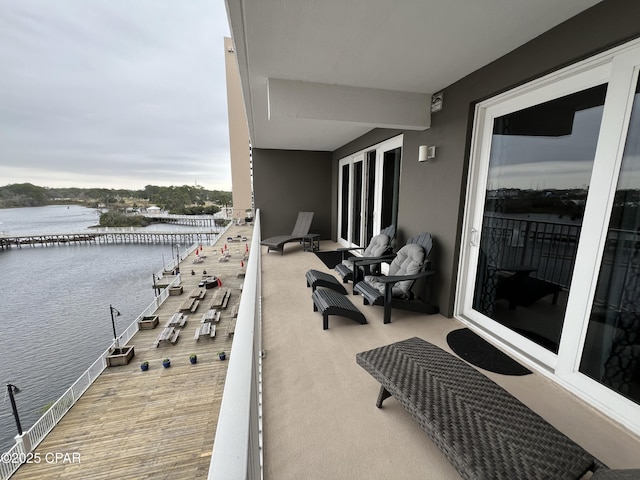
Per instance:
{"type": "Point", "coordinates": [426, 153]}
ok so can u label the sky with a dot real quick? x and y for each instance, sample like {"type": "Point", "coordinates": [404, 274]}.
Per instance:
{"type": "Point", "coordinates": [113, 93]}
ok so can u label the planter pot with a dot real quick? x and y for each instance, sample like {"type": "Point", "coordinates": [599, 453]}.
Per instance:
{"type": "Point", "coordinates": [175, 290]}
{"type": "Point", "coordinates": [193, 360]}
{"type": "Point", "coordinates": [222, 356]}
{"type": "Point", "coordinates": [120, 356]}
{"type": "Point", "coordinates": [166, 363]}
{"type": "Point", "coordinates": [144, 367]}
{"type": "Point", "coordinates": [148, 323]}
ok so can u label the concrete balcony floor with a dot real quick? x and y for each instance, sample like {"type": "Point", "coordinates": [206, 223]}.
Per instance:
{"type": "Point", "coordinates": [319, 413]}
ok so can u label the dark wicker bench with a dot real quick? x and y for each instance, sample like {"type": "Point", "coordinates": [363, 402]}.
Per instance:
{"type": "Point", "coordinates": [316, 278]}
{"type": "Point", "coordinates": [483, 430]}
{"type": "Point", "coordinates": [330, 302]}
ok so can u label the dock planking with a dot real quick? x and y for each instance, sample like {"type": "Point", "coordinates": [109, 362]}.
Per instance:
{"type": "Point", "coordinates": [158, 424]}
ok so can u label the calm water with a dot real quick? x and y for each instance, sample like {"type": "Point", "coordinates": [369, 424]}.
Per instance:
{"type": "Point", "coordinates": [54, 306]}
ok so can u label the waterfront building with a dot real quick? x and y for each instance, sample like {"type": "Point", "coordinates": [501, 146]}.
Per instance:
{"type": "Point", "coordinates": [473, 123]}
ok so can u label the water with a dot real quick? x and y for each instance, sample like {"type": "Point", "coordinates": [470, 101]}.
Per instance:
{"type": "Point", "coordinates": [54, 306]}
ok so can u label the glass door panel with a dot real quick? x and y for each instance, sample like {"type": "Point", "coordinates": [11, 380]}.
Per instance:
{"type": "Point", "coordinates": [370, 193]}
{"type": "Point", "coordinates": [356, 204]}
{"type": "Point", "coordinates": [390, 187]}
{"type": "Point", "coordinates": [540, 165]}
{"type": "Point", "coordinates": [344, 206]}
{"type": "Point", "coordinates": [611, 353]}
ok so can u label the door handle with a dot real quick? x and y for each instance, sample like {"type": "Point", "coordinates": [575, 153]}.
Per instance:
{"type": "Point", "coordinates": [473, 237]}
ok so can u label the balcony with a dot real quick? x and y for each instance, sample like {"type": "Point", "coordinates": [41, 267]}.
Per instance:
{"type": "Point", "coordinates": [314, 415]}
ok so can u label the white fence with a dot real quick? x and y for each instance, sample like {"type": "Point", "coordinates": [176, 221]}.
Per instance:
{"type": "Point", "coordinates": [237, 448]}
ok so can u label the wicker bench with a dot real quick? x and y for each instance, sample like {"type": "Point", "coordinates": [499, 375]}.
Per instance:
{"type": "Point", "coordinates": [483, 430]}
{"type": "Point", "coordinates": [330, 302]}
{"type": "Point", "coordinates": [316, 278]}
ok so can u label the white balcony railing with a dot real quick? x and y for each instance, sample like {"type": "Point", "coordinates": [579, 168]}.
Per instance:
{"type": "Point", "coordinates": [237, 448]}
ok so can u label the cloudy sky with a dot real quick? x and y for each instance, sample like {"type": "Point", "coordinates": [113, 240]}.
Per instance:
{"type": "Point", "coordinates": [113, 93]}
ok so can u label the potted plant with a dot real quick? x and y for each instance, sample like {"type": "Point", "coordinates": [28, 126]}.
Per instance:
{"type": "Point", "coordinates": [144, 366]}
{"type": "Point", "coordinates": [193, 358]}
{"type": "Point", "coordinates": [222, 355]}
{"type": "Point", "coordinates": [166, 363]}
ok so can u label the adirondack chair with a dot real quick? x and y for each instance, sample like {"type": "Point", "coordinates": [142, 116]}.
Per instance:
{"type": "Point", "coordinates": [379, 246]}
{"type": "Point", "coordinates": [394, 289]}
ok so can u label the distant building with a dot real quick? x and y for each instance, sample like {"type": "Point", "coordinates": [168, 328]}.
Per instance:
{"type": "Point", "coordinates": [239, 144]}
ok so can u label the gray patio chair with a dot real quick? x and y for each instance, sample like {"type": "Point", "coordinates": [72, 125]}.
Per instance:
{"type": "Point", "coordinates": [379, 246]}
{"type": "Point", "coordinates": [394, 290]}
{"type": "Point", "coordinates": [300, 230]}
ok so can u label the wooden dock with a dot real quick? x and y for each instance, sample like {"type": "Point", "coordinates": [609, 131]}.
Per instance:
{"type": "Point", "coordinates": [108, 238]}
{"type": "Point", "coordinates": [158, 424]}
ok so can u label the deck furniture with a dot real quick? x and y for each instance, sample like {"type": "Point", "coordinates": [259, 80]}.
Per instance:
{"type": "Point", "coordinates": [220, 299]}
{"type": "Point", "coordinates": [311, 242]}
{"type": "Point", "coordinates": [300, 229]}
{"type": "Point", "coordinates": [205, 330]}
{"type": "Point", "coordinates": [211, 316]}
{"type": "Point", "coordinates": [330, 302]}
{"type": "Point", "coordinates": [316, 278]}
{"type": "Point", "coordinates": [168, 335]}
{"type": "Point", "coordinates": [395, 289]}
{"type": "Point", "coordinates": [483, 430]}
{"type": "Point", "coordinates": [188, 304]}
{"type": "Point", "coordinates": [379, 246]}
{"type": "Point", "coordinates": [177, 320]}
{"type": "Point", "coordinates": [231, 327]}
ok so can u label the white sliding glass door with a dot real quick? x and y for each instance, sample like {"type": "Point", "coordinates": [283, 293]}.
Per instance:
{"type": "Point", "coordinates": [550, 263]}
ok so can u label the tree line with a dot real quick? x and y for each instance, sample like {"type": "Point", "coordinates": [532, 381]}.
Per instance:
{"type": "Point", "coordinates": [179, 200]}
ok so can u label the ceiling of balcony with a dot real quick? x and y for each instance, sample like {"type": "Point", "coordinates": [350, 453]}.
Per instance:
{"type": "Point", "coordinates": [310, 68]}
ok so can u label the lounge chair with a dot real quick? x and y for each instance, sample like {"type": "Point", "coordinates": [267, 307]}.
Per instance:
{"type": "Point", "coordinates": [394, 290]}
{"type": "Point", "coordinates": [300, 229]}
{"type": "Point", "coordinates": [380, 245]}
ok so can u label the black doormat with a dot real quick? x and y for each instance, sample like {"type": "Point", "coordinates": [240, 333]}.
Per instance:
{"type": "Point", "coordinates": [331, 258]}
{"type": "Point", "coordinates": [477, 351]}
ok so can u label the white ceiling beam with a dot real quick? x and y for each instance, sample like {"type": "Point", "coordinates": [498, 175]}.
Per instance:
{"type": "Point", "coordinates": [339, 103]}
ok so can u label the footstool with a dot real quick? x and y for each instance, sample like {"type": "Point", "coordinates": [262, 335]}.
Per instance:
{"type": "Point", "coordinates": [330, 302]}
{"type": "Point", "coordinates": [316, 278]}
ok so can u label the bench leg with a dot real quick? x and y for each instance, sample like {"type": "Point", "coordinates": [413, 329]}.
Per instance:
{"type": "Point", "coordinates": [325, 321]}
{"type": "Point", "coordinates": [382, 396]}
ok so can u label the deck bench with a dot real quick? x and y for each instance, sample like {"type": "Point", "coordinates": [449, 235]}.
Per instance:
{"type": "Point", "coordinates": [175, 336]}
{"type": "Point", "coordinates": [194, 307]}
{"type": "Point", "coordinates": [231, 327]}
{"type": "Point", "coordinates": [316, 278]}
{"type": "Point", "coordinates": [220, 299]}
{"type": "Point", "coordinates": [203, 330]}
{"type": "Point", "coordinates": [483, 430]}
{"type": "Point", "coordinates": [330, 302]}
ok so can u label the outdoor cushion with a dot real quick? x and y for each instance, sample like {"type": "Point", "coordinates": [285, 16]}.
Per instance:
{"type": "Point", "coordinates": [409, 260]}
{"type": "Point", "coordinates": [377, 247]}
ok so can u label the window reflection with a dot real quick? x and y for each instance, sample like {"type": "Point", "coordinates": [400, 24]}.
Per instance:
{"type": "Point", "coordinates": [612, 347]}
{"type": "Point", "coordinates": [539, 171]}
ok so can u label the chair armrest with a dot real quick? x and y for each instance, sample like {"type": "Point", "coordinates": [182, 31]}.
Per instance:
{"type": "Point", "coordinates": [399, 278]}
{"type": "Point", "coordinates": [362, 261]}
{"type": "Point", "coordinates": [346, 250]}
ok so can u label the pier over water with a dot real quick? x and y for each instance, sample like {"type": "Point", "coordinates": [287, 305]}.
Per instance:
{"type": "Point", "coordinates": [110, 237]}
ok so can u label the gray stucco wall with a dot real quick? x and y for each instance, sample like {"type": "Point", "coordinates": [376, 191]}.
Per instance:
{"type": "Point", "coordinates": [286, 182]}
{"type": "Point", "coordinates": [432, 193]}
